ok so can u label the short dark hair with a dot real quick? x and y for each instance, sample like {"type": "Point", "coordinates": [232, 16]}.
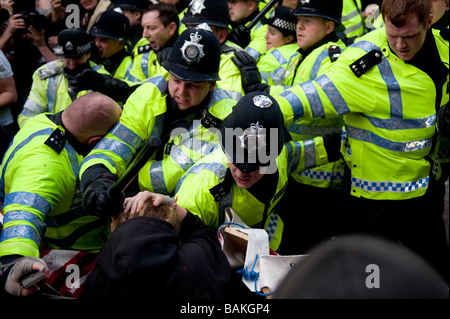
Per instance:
{"type": "Point", "coordinates": [398, 12]}
{"type": "Point", "coordinates": [167, 13]}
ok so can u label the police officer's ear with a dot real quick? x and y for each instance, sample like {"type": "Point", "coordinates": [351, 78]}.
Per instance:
{"type": "Point", "coordinates": [212, 86]}
{"type": "Point", "coordinates": [92, 141]}
{"type": "Point", "coordinates": [221, 34]}
{"type": "Point", "coordinates": [173, 28]}
{"type": "Point", "coordinates": [330, 26]}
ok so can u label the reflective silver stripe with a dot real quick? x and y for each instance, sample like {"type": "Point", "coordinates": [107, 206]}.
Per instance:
{"type": "Point", "coordinates": [99, 156]}
{"type": "Point", "coordinates": [300, 129]}
{"type": "Point", "coordinates": [369, 137]}
{"type": "Point", "coordinates": [254, 53]}
{"type": "Point", "coordinates": [350, 16]}
{"type": "Point", "coordinates": [317, 64]}
{"type": "Point", "coordinates": [117, 147]}
{"type": "Point", "coordinates": [216, 168]}
{"type": "Point", "coordinates": [157, 178]}
{"type": "Point", "coordinates": [279, 57]}
{"type": "Point", "coordinates": [144, 63]}
{"type": "Point", "coordinates": [277, 76]}
{"type": "Point", "coordinates": [17, 215]}
{"type": "Point", "coordinates": [392, 187]}
{"type": "Point", "coordinates": [123, 133]}
{"type": "Point", "coordinates": [333, 94]}
{"type": "Point", "coordinates": [295, 103]}
{"type": "Point", "coordinates": [31, 109]}
{"type": "Point", "coordinates": [160, 82]}
{"type": "Point", "coordinates": [28, 199]}
{"type": "Point", "coordinates": [313, 99]}
{"type": "Point", "coordinates": [354, 28]}
{"type": "Point", "coordinates": [52, 89]}
{"type": "Point", "coordinates": [310, 153]}
{"type": "Point", "coordinates": [20, 231]}
{"type": "Point", "coordinates": [294, 155]}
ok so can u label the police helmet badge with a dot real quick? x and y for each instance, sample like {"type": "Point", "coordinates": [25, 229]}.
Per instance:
{"type": "Point", "coordinates": [197, 6]}
{"type": "Point", "coordinates": [304, 2]}
{"type": "Point", "coordinates": [262, 101]}
{"type": "Point", "coordinates": [192, 51]}
{"type": "Point", "coordinates": [253, 139]}
{"type": "Point", "coordinates": [68, 46]}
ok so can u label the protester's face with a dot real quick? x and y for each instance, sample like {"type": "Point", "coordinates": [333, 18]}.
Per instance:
{"type": "Point", "coordinates": [407, 40]}
{"type": "Point", "coordinates": [107, 47]}
{"type": "Point", "coordinates": [73, 63]}
{"type": "Point", "coordinates": [239, 10]}
{"type": "Point", "coordinates": [155, 31]}
{"type": "Point", "coordinates": [311, 30]}
{"type": "Point", "coordinates": [245, 180]}
{"type": "Point", "coordinates": [188, 94]}
{"type": "Point", "coordinates": [438, 8]}
{"type": "Point", "coordinates": [89, 4]}
{"type": "Point", "coordinates": [275, 39]}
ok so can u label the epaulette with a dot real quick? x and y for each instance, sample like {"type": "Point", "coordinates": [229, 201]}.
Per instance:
{"type": "Point", "coordinates": [445, 33]}
{"type": "Point", "coordinates": [49, 71]}
{"type": "Point", "coordinates": [144, 49]}
{"type": "Point", "coordinates": [368, 61]}
{"type": "Point", "coordinates": [223, 188]}
{"type": "Point", "coordinates": [56, 140]}
{"type": "Point", "coordinates": [209, 120]}
{"type": "Point", "coordinates": [334, 52]}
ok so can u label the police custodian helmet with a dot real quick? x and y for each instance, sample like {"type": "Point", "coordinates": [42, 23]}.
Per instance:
{"type": "Point", "coordinates": [331, 10]}
{"type": "Point", "coordinates": [195, 56]}
{"type": "Point", "coordinates": [112, 25]}
{"type": "Point", "coordinates": [73, 43]}
{"type": "Point", "coordinates": [259, 117]}
{"type": "Point", "coordinates": [212, 12]}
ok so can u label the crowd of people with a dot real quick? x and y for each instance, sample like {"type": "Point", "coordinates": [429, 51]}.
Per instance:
{"type": "Point", "coordinates": [311, 119]}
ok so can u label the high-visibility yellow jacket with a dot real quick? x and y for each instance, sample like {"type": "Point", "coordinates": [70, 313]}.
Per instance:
{"type": "Point", "coordinates": [143, 117]}
{"type": "Point", "coordinates": [352, 18]}
{"type": "Point", "coordinates": [49, 91]}
{"type": "Point", "coordinates": [273, 63]}
{"type": "Point", "coordinates": [39, 195]}
{"type": "Point", "coordinates": [389, 114]}
{"type": "Point", "coordinates": [302, 69]}
{"type": "Point", "coordinates": [194, 189]}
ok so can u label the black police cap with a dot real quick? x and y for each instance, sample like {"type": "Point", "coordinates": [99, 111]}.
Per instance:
{"type": "Point", "coordinates": [73, 43]}
{"type": "Point", "coordinates": [134, 5]}
{"type": "Point", "coordinates": [113, 25]}
{"type": "Point", "coordinates": [330, 10]}
{"type": "Point", "coordinates": [212, 12]}
{"type": "Point", "coordinates": [258, 116]}
{"type": "Point", "coordinates": [195, 56]}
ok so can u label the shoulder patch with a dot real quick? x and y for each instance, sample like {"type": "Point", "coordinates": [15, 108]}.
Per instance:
{"type": "Point", "coordinates": [368, 61]}
{"type": "Point", "coordinates": [56, 140]}
{"type": "Point", "coordinates": [334, 52]}
{"type": "Point", "coordinates": [210, 120]}
{"type": "Point", "coordinates": [49, 71]}
{"type": "Point", "coordinates": [144, 49]}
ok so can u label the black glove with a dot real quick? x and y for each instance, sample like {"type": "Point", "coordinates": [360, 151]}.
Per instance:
{"type": "Point", "coordinates": [163, 55]}
{"type": "Point", "coordinates": [92, 80]}
{"type": "Point", "coordinates": [240, 35]}
{"type": "Point", "coordinates": [250, 75]}
{"type": "Point", "coordinates": [100, 198]}
{"type": "Point", "coordinates": [443, 121]}
{"type": "Point", "coordinates": [332, 143]}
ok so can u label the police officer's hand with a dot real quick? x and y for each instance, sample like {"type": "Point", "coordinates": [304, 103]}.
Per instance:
{"type": "Point", "coordinates": [240, 35]}
{"type": "Point", "coordinates": [91, 80]}
{"type": "Point", "coordinates": [100, 198]}
{"type": "Point", "coordinates": [21, 268]}
{"type": "Point", "coordinates": [443, 121]}
{"type": "Point", "coordinates": [250, 75]}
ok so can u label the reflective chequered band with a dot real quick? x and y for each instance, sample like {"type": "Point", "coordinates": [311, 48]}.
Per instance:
{"type": "Point", "coordinates": [393, 187]}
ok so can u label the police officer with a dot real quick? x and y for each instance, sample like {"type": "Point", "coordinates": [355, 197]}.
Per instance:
{"type": "Point", "coordinates": [242, 12]}
{"type": "Point", "coordinates": [389, 144]}
{"type": "Point", "coordinates": [249, 172]}
{"type": "Point", "coordinates": [133, 10]}
{"type": "Point", "coordinates": [111, 34]}
{"type": "Point", "coordinates": [53, 83]}
{"type": "Point", "coordinates": [215, 13]}
{"type": "Point", "coordinates": [39, 187]}
{"type": "Point", "coordinates": [281, 45]}
{"type": "Point", "coordinates": [317, 27]}
{"type": "Point", "coordinates": [184, 112]}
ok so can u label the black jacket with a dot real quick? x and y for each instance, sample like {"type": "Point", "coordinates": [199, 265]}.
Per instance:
{"type": "Point", "coordinates": [146, 259]}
